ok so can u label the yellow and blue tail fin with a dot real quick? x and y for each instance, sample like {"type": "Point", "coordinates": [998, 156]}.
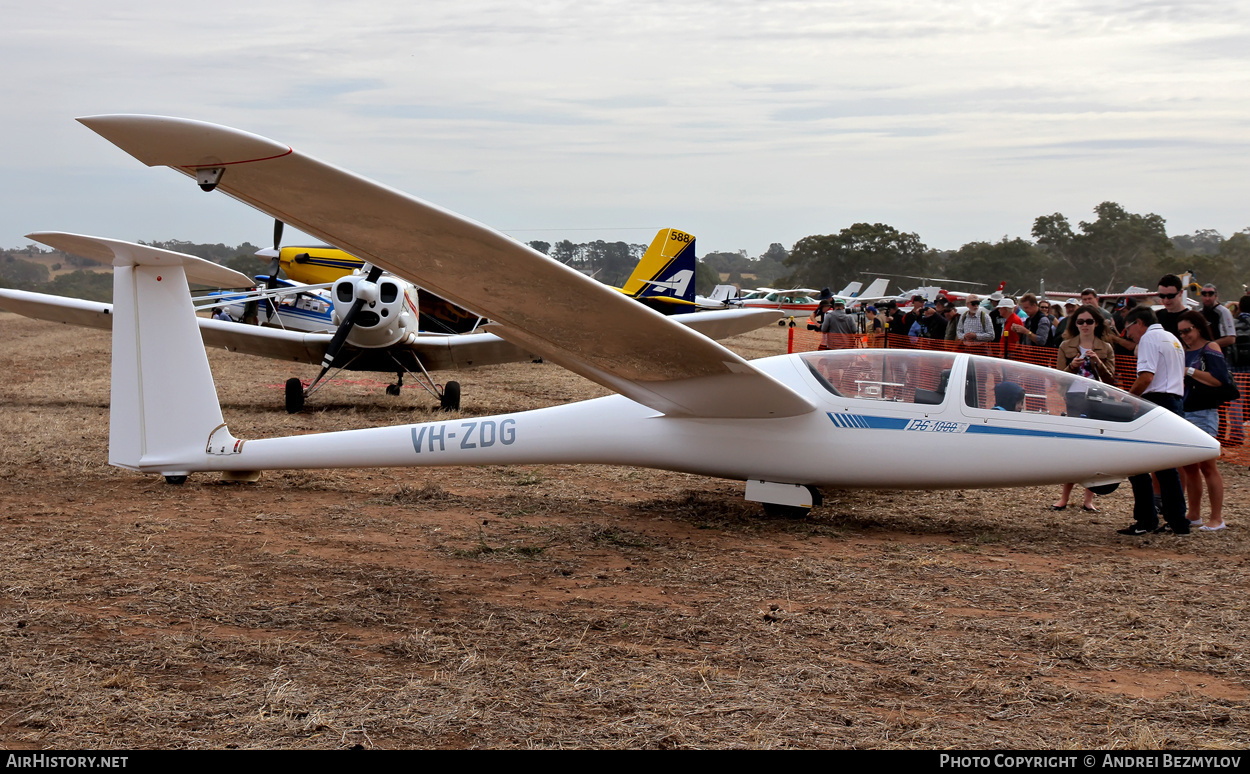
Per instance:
{"type": "Point", "coordinates": [664, 278]}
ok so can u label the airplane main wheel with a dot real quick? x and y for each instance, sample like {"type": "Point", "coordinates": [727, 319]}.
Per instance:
{"type": "Point", "coordinates": [786, 511]}
{"type": "Point", "coordinates": [294, 396]}
{"type": "Point", "coordinates": [451, 397]}
{"type": "Point", "coordinates": [175, 480]}
{"type": "Point", "coordinates": [392, 389]}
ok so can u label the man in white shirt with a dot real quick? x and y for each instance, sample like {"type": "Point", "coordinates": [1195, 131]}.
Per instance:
{"type": "Point", "coordinates": [1160, 380]}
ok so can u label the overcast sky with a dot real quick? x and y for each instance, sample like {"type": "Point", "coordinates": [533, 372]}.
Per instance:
{"type": "Point", "coordinates": [744, 123]}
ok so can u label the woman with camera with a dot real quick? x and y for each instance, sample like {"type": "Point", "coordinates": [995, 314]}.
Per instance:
{"type": "Point", "coordinates": [1084, 352]}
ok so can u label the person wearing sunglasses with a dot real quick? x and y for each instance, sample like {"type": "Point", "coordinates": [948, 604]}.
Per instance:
{"type": "Point", "coordinates": [1160, 380]}
{"type": "Point", "coordinates": [1084, 352]}
{"type": "Point", "coordinates": [1220, 319]}
{"type": "Point", "coordinates": [1204, 364]}
{"type": "Point", "coordinates": [1173, 299]}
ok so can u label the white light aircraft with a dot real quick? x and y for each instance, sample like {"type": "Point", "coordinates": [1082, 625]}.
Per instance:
{"type": "Point", "coordinates": [684, 402]}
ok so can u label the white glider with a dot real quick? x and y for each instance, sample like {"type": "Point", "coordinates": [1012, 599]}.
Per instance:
{"type": "Point", "coordinates": [685, 402]}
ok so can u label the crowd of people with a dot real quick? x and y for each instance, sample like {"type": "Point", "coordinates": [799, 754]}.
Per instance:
{"type": "Point", "coordinates": [1184, 359]}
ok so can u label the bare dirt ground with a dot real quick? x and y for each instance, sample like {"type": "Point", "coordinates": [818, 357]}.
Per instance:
{"type": "Point", "coordinates": [564, 606]}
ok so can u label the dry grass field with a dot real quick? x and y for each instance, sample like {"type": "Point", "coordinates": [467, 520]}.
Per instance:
{"type": "Point", "coordinates": [564, 606]}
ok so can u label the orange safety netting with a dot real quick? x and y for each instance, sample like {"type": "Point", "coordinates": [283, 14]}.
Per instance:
{"type": "Point", "coordinates": [1233, 416]}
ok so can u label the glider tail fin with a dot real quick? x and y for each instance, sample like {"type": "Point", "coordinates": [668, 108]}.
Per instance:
{"type": "Point", "coordinates": [164, 405]}
{"type": "Point", "coordinates": [876, 289]}
{"type": "Point", "coordinates": [851, 289]}
{"type": "Point", "coordinates": [666, 270]}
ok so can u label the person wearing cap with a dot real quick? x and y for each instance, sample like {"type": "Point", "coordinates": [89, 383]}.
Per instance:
{"type": "Point", "coordinates": [974, 322]}
{"type": "Point", "coordinates": [1069, 309]}
{"type": "Point", "coordinates": [1220, 319]}
{"type": "Point", "coordinates": [1004, 318]}
{"type": "Point", "coordinates": [915, 315]}
{"type": "Point", "coordinates": [873, 327]}
{"type": "Point", "coordinates": [894, 319]}
{"type": "Point", "coordinates": [920, 325]}
{"type": "Point", "coordinates": [837, 323]}
{"type": "Point", "coordinates": [1008, 396]}
{"type": "Point", "coordinates": [951, 315]}
{"type": "Point", "coordinates": [934, 322]}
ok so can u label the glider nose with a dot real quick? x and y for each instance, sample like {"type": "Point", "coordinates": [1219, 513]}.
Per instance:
{"type": "Point", "coordinates": [1190, 443]}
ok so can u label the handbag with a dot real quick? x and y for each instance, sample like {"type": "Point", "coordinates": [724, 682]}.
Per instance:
{"type": "Point", "coordinates": [1206, 396]}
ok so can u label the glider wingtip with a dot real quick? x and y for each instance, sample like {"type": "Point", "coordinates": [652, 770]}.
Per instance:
{"type": "Point", "coordinates": [181, 142]}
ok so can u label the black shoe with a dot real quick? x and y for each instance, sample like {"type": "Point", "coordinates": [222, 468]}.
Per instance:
{"type": "Point", "coordinates": [1168, 529]}
{"type": "Point", "coordinates": [1135, 529]}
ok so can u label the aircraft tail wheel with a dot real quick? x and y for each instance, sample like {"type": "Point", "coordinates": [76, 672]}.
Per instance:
{"type": "Point", "coordinates": [781, 323]}
{"type": "Point", "coordinates": [392, 389]}
{"type": "Point", "coordinates": [450, 400]}
{"type": "Point", "coordinates": [175, 480]}
{"type": "Point", "coordinates": [294, 396]}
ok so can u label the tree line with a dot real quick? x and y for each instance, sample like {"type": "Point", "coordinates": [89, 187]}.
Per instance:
{"type": "Point", "coordinates": [1113, 249]}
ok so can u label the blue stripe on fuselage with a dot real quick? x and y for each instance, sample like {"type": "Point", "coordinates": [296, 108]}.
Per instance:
{"type": "Point", "coordinates": [866, 422]}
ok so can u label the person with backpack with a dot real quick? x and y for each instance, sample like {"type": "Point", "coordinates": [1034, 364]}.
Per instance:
{"type": "Point", "coordinates": [974, 322]}
{"type": "Point", "coordinates": [1036, 329]}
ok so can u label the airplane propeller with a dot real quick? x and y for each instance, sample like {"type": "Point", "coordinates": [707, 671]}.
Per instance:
{"type": "Point", "coordinates": [276, 264]}
{"type": "Point", "coordinates": [294, 399]}
{"type": "Point", "coordinates": [250, 310]}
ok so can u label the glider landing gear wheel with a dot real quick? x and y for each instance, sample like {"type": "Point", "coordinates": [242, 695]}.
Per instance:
{"type": "Point", "coordinates": [294, 396]}
{"type": "Point", "coordinates": [781, 323]}
{"type": "Point", "coordinates": [786, 511]}
{"type": "Point", "coordinates": [175, 480]}
{"type": "Point", "coordinates": [450, 400]}
{"type": "Point", "coordinates": [392, 389]}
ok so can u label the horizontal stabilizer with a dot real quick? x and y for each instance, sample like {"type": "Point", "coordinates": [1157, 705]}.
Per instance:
{"type": "Point", "coordinates": [118, 253]}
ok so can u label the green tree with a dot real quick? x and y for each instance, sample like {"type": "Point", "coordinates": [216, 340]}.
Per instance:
{"type": "Point", "coordinates": [827, 260]}
{"type": "Point", "coordinates": [1017, 262]}
{"type": "Point", "coordinates": [22, 275]}
{"type": "Point", "coordinates": [248, 264]}
{"type": "Point", "coordinates": [1116, 248]}
{"type": "Point", "coordinates": [705, 278]}
{"type": "Point", "coordinates": [541, 246]}
{"type": "Point", "coordinates": [1206, 241]}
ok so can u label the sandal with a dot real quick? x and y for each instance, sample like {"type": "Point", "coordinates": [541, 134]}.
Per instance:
{"type": "Point", "coordinates": [1059, 507]}
{"type": "Point", "coordinates": [1090, 509]}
